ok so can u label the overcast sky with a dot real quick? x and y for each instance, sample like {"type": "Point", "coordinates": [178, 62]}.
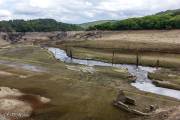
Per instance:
{"type": "Point", "coordinates": [80, 11]}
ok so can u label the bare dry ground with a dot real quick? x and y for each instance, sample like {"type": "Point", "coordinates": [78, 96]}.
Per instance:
{"type": "Point", "coordinates": [140, 36]}
{"type": "Point", "coordinates": [81, 93]}
{"type": "Point", "coordinates": [3, 43]}
{"type": "Point", "coordinates": [147, 36]}
{"type": "Point", "coordinates": [160, 41]}
{"type": "Point", "coordinates": [15, 105]}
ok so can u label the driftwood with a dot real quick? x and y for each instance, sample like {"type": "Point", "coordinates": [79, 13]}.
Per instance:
{"type": "Point", "coordinates": [123, 103]}
{"type": "Point", "coordinates": [125, 107]}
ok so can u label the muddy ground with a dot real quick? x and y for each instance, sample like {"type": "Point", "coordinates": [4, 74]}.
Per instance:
{"type": "Point", "coordinates": [76, 92]}
{"type": "Point", "coordinates": [81, 93]}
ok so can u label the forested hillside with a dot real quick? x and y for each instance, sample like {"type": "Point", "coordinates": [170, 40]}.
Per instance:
{"type": "Point", "coordinates": [38, 25]}
{"type": "Point", "coordinates": [88, 24]}
{"type": "Point", "coordinates": [164, 20]}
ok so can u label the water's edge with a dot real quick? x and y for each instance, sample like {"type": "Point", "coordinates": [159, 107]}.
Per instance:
{"type": "Point", "coordinates": [142, 83]}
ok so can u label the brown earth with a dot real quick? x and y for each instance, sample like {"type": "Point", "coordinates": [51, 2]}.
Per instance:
{"type": "Point", "coordinates": [77, 90]}
{"type": "Point", "coordinates": [15, 105]}
{"type": "Point", "coordinates": [156, 36]}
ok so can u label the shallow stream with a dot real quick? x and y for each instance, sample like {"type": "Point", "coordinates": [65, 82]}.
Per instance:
{"type": "Point", "coordinates": [142, 83]}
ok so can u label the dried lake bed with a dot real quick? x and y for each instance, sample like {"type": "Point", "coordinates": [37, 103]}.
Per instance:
{"type": "Point", "coordinates": [76, 91]}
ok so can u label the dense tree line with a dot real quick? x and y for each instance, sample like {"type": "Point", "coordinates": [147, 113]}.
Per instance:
{"type": "Point", "coordinates": [163, 20]}
{"type": "Point", "coordinates": [38, 25]}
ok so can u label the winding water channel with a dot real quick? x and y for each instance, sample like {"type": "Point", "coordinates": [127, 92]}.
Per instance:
{"type": "Point", "coordinates": [142, 83]}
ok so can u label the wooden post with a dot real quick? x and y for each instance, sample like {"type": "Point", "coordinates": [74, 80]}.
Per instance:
{"type": "Point", "coordinates": [137, 58]}
{"type": "Point", "coordinates": [71, 54]}
{"type": "Point", "coordinates": [113, 57]}
{"type": "Point", "coordinates": [157, 64]}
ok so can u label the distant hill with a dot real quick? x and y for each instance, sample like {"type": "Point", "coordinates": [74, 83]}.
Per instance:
{"type": "Point", "coordinates": [86, 25]}
{"type": "Point", "coordinates": [37, 25]}
{"type": "Point", "coordinates": [171, 12]}
{"type": "Point", "coordinates": [164, 20]}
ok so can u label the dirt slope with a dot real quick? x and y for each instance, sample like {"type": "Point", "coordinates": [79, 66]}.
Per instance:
{"type": "Point", "coordinates": [146, 36]}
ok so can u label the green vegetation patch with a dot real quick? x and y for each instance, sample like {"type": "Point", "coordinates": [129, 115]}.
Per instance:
{"type": "Point", "coordinates": [163, 20]}
{"type": "Point", "coordinates": [37, 25]}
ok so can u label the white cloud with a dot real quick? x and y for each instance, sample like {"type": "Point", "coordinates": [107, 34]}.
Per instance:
{"type": "Point", "coordinates": [116, 5]}
{"type": "Point", "coordinates": [41, 3]}
{"type": "Point", "coordinates": [5, 13]}
{"type": "Point", "coordinates": [134, 5]}
{"type": "Point", "coordinates": [78, 11]}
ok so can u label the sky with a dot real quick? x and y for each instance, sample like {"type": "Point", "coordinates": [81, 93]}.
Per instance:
{"type": "Point", "coordinates": [81, 11]}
